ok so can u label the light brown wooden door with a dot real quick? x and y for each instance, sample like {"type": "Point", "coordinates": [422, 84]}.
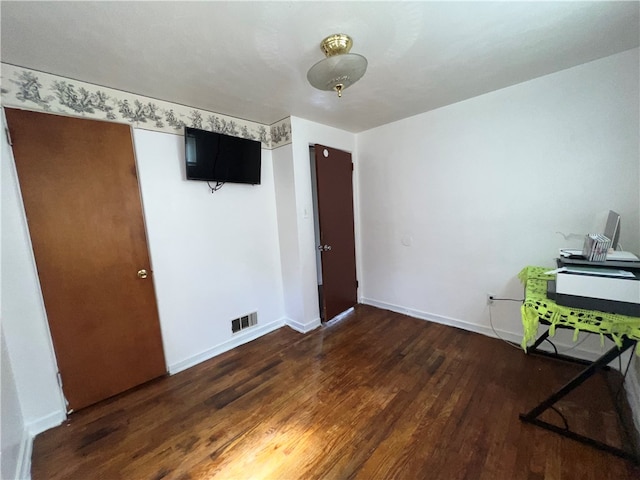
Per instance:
{"type": "Point", "coordinates": [334, 173]}
{"type": "Point", "coordinates": [80, 190]}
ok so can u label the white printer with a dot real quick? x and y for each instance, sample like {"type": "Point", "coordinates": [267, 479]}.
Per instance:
{"type": "Point", "coordinates": [604, 286]}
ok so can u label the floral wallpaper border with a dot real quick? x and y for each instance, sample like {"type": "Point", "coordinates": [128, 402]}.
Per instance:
{"type": "Point", "coordinates": [33, 90]}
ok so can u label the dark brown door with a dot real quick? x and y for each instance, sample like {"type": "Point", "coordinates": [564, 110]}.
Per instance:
{"type": "Point", "coordinates": [81, 196]}
{"type": "Point", "coordinates": [334, 173]}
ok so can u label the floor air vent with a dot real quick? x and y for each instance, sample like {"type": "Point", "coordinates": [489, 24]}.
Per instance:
{"type": "Point", "coordinates": [241, 323]}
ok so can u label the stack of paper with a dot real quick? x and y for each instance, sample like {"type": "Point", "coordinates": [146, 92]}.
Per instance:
{"type": "Point", "coordinates": [620, 256]}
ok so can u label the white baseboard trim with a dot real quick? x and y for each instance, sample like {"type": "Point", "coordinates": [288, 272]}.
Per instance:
{"type": "Point", "coordinates": [45, 423]}
{"type": "Point", "coordinates": [632, 387]}
{"type": "Point", "coordinates": [237, 340]}
{"type": "Point", "coordinates": [303, 327]}
{"type": "Point", "coordinates": [474, 327]}
{"type": "Point", "coordinates": [23, 471]}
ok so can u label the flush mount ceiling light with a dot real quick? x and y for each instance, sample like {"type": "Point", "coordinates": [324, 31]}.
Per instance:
{"type": "Point", "coordinates": [341, 68]}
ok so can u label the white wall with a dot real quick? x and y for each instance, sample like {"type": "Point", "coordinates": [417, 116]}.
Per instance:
{"type": "Point", "coordinates": [215, 256]}
{"type": "Point", "coordinates": [13, 432]}
{"type": "Point", "coordinates": [302, 259]}
{"type": "Point", "coordinates": [481, 187]}
{"type": "Point", "coordinates": [288, 225]}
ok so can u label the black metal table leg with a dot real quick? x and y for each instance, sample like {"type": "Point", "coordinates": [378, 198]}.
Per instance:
{"type": "Point", "coordinates": [540, 339]}
{"type": "Point", "coordinates": [532, 415]}
{"type": "Point", "coordinates": [534, 350]}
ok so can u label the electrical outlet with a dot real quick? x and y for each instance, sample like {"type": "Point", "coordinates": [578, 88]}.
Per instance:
{"type": "Point", "coordinates": [490, 298]}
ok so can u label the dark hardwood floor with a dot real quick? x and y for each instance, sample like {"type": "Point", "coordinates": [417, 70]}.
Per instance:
{"type": "Point", "coordinates": [377, 395]}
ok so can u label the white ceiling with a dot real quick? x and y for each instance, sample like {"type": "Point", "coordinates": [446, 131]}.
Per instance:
{"type": "Point", "coordinates": [250, 59]}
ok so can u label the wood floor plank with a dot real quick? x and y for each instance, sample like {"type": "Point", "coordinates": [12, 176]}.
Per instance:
{"type": "Point", "coordinates": [376, 395]}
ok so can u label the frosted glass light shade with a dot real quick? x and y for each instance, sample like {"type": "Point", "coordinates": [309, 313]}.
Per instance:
{"type": "Point", "coordinates": [337, 72]}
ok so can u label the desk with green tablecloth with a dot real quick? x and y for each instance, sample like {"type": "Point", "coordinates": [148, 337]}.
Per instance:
{"type": "Point", "coordinates": [538, 309]}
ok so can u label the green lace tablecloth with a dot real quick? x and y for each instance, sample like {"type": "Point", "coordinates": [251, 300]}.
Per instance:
{"type": "Point", "coordinates": [538, 307]}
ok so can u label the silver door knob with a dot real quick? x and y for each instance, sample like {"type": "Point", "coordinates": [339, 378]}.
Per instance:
{"type": "Point", "coordinates": [324, 248]}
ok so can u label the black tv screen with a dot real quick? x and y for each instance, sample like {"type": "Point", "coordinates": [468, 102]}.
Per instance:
{"type": "Point", "coordinates": [216, 157]}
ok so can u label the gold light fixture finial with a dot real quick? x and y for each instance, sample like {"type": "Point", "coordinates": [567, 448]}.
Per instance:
{"type": "Point", "coordinates": [339, 69]}
{"type": "Point", "coordinates": [337, 44]}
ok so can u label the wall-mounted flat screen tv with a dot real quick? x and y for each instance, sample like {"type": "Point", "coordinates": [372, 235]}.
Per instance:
{"type": "Point", "coordinates": [215, 157]}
